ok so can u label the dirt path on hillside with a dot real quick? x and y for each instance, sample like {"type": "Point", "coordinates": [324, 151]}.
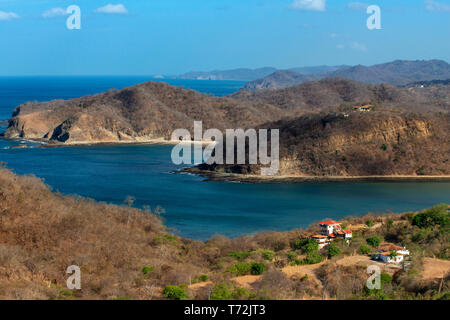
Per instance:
{"type": "Point", "coordinates": [355, 227]}
{"type": "Point", "coordinates": [200, 285]}
{"type": "Point", "coordinates": [435, 268]}
{"type": "Point", "coordinates": [246, 281]}
{"type": "Point", "coordinates": [303, 270]}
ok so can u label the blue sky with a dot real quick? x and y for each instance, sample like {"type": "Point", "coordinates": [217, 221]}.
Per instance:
{"type": "Point", "coordinates": [144, 37]}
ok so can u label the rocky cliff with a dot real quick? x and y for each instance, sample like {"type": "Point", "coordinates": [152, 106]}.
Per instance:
{"type": "Point", "coordinates": [359, 144]}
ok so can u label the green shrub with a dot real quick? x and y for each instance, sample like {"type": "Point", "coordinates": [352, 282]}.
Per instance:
{"type": "Point", "coordinates": [312, 258]}
{"type": "Point", "coordinates": [291, 256]}
{"type": "Point", "coordinates": [306, 245]}
{"type": "Point", "coordinates": [385, 278]}
{"type": "Point", "coordinates": [363, 249]}
{"type": "Point", "coordinates": [311, 247]}
{"type": "Point", "coordinates": [268, 255]}
{"type": "Point", "coordinates": [421, 171]}
{"type": "Point", "coordinates": [370, 223]}
{"type": "Point", "coordinates": [241, 293]}
{"type": "Point", "coordinates": [226, 291]}
{"type": "Point", "coordinates": [384, 147]}
{"type": "Point", "coordinates": [175, 293]}
{"type": "Point", "coordinates": [436, 215]}
{"type": "Point", "coordinates": [202, 278]}
{"type": "Point", "coordinates": [258, 268]}
{"type": "Point", "coordinates": [222, 291]}
{"type": "Point", "coordinates": [390, 223]}
{"type": "Point", "coordinates": [241, 268]}
{"type": "Point", "coordinates": [333, 250]}
{"type": "Point", "coordinates": [165, 239]}
{"type": "Point", "coordinates": [146, 270]}
{"type": "Point", "coordinates": [240, 255]}
{"type": "Point", "coordinates": [373, 241]}
{"type": "Point", "coordinates": [445, 296]}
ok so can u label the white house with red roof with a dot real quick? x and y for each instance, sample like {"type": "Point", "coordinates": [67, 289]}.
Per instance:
{"type": "Point", "coordinates": [333, 229]}
{"type": "Point", "coordinates": [391, 253]}
{"type": "Point", "coordinates": [330, 230]}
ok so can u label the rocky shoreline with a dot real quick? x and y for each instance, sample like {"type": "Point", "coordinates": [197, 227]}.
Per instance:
{"type": "Point", "coordinates": [233, 177]}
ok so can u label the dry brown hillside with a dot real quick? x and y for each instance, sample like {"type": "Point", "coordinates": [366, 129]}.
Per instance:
{"type": "Point", "coordinates": [125, 253]}
{"type": "Point", "coordinates": [153, 110]}
{"type": "Point", "coordinates": [351, 143]}
{"type": "Point", "coordinates": [142, 112]}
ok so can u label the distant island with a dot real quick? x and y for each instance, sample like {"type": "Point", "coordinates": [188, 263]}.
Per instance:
{"type": "Point", "coordinates": [333, 127]}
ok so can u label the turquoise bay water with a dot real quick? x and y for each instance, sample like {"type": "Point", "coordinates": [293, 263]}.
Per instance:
{"type": "Point", "coordinates": [195, 208]}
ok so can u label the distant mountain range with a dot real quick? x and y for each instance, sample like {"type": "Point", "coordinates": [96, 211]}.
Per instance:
{"type": "Point", "coordinates": [246, 74]}
{"type": "Point", "coordinates": [398, 73]}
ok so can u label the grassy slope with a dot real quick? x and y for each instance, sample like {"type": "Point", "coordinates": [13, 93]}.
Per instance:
{"type": "Point", "coordinates": [42, 233]}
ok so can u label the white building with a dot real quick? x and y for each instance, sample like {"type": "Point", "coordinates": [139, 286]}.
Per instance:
{"type": "Point", "coordinates": [322, 240]}
{"type": "Point", "coordinates": [330, 230]}
{"type": "Point", "coordinates": [387, 257]}
{"type": "Point", "coordinates": [386, 251]}
{"type": "Point", "coordinates": [333, 229]}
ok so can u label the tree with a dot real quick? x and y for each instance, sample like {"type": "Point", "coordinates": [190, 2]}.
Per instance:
{"type": "Point", "coordinates": [436, 215]}
{"type": "Point", "coordinates": [146, 270]}
{"type": "Point", "coordinates": [312, 258]}
{"type": "Point", "coordinates": [268, 255]}
{"type": "Point", "coordinates": [333, 250]}
{"type": "Point", "coordinates": [370, 223]}
{"type": "Point", "coordinates": [258, 268]}
{"type": "Point", "coordinates": [175, 293]}
{"type": "Point", "coordinates": [363, 249]}
{"type": "Point", "coordinates": [303, 243]}
{"type": "Point", "coordinates": [393, 254]}
{"type": "Point", "coordinates": [373, 241]}
{"type": "Point", "coordinates": [222, 291]}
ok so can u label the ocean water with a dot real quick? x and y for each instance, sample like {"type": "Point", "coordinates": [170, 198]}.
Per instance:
{"type": "Point", "coordinates": [194, 208]}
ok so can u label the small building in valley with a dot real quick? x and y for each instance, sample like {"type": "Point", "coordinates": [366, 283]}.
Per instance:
{"type": "Point", "coordinates": [391, 253]}
{"type": "Point", "coordinates": [390, 257]}
{"type": "Point", "coordinates": [364, 108]}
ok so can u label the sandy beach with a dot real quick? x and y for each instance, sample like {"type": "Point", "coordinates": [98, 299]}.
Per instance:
{"type": "Point", "coordinates": [216, 176]}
